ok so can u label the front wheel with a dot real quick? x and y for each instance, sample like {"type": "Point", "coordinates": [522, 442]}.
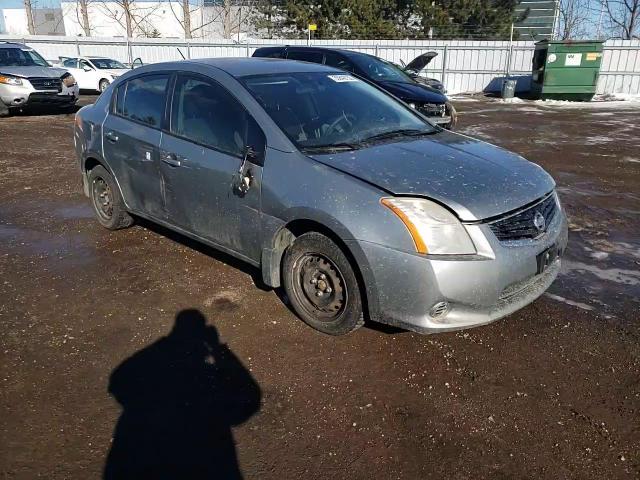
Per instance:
{"type": "Point", "coordinates": [106, 200]}
{"type": "Point", "coordinates": [103, 85]}
{"type": "Point", "coordinates": [321, 285]}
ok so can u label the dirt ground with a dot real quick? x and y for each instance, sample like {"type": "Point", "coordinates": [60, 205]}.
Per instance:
{"type": "Point", "coordinates": [103, 337]}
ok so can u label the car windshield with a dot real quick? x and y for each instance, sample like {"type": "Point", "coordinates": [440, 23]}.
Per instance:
{"type": "Point", "coordinates": [106, 63]}
{"type": "Point", "coordinates": [379, 70]}
{"type": "Point", "coordinates": [21, 57]}
{"type": "Point", "coordinates": [322, 110]}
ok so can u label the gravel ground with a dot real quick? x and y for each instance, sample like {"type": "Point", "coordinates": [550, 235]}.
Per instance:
{"type": "Point", "coordinates": [139, 350]}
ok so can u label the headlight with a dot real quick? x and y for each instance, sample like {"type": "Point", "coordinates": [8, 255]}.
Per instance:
{"type": "Point", "coordinates": [434, 229]}
{"type": "Point", "coordinates": [10, 80]}
{"type": "Point", "coordinates": [68, 80]}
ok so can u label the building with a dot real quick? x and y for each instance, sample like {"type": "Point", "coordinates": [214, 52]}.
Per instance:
{"type": "Point", "coordinates": [541, 20]}
{"type": "Point", "coordinates": [47, 21]}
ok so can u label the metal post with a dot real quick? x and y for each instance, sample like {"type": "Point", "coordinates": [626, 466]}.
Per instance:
{"type": "Point", "coordinates": [444, 64]}
{"type": "Point", "coordinates": [129, 54]}
{"type": "Point", "coordinates": [308, 36]}
{"type": "Point", "coordinates": [78, 47]}
{"type": "Point", "coordinates": [509, 54]}
{"type": "Point", "coordinates": [188, 50]}
{"type": "Point", "coordinates": [377, 55]}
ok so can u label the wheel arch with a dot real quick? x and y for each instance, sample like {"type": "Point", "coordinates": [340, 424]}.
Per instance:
{"type": "Point", "coordinates": [272, 258]}
{"type": "Point", "coordinates": [101, 80]}
{"type": "Point", "coordinates": [92, 161]}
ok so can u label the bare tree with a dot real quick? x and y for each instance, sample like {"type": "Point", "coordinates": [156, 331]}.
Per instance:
{"type": "Point", "coordinates": [82, 12]}
{"type": "Point", "coordinates": [229, 14]}
{"type": "Point", "coordinates": [28, 10]}
{"type": "Point", "coordinates": [624, 17]}
{"type": "Point", "coordinates": [574, 18]}
{"type": "Point", "coordinates": [131, 15]}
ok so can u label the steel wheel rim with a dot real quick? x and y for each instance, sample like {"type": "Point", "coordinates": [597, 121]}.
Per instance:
{"type": "Point", "coordinates": [102, 198]}
{"type": "Point", "coordinates": [103, 86]}
{"type": "Point", "coordinates": [320, 287]}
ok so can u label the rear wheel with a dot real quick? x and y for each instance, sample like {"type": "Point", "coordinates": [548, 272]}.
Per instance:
{"type": "Point", "coordinates": [103, 85]}
{"type": "Point", "coordinates": [106, 200]}
{"type": "Point", "coordinates": [4, 110]}
{"type": "Point", "coordinates": [321, 285]}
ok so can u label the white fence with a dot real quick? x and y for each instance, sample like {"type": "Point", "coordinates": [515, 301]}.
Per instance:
{"type": "Point", "coordinates": [464, 66]}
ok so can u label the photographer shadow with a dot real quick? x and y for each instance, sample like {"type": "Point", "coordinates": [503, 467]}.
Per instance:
{"type": "Point", "coordinates": [180, 397]}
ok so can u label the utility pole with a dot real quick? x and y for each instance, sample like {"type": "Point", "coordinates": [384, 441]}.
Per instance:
{"type": "Point", "coordinates": [599, 28]}
{"type": "Point", "coordinates": [29, 12]}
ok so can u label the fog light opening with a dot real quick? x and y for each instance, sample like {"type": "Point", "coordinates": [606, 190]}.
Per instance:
{"type": "Point", "coordinates": [439, 310]}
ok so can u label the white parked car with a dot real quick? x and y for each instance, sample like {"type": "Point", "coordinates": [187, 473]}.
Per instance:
{"type": "Point", "coordinates": [93, 73]}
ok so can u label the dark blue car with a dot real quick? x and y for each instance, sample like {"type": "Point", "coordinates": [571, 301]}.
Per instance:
{"type": "Point", "coordinates": [427, 100]}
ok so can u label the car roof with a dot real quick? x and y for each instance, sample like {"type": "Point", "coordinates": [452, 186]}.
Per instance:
{"type": "Point", "coordinates": [346, 53]}
{"type": "Point", "coordinates": [243, 67]}
{"type": "Point", "coordinates": [12, 45]}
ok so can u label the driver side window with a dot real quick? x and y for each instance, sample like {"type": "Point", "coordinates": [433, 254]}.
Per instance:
{"type": "Point", "coordinates": [206, 113]}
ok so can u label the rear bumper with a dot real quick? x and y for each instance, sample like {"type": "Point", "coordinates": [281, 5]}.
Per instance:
{"type": "Point", "coordinates": [476, 290]}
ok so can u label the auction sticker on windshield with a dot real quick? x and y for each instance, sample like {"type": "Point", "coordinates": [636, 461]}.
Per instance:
{"type": "Point", "coordinates": [343, 78]}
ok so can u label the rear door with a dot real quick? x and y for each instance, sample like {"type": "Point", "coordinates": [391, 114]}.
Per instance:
{"type": "Point", "coordinates": [131, 140]}
{"type": "Point", "coordinates": [203, 165]}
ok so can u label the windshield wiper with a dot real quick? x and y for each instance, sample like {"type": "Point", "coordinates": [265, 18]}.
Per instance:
{"type": "Point", "coordinates": [332, 147]}
{"type": "Point", "coordinates": [405, 132]}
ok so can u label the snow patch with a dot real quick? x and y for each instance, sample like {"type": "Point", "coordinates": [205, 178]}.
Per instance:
{"type": "Point", "coordinates": [558, 298]}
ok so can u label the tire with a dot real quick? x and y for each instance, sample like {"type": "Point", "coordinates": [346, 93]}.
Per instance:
{"type": "Point", "coordinates": [106, 200]}
{"type": "Point", "coordinates": [312, 264]}
{"type": "Point", "coordinates": [103, 85]}
{"type": "Point", "coordinates": [4, 110]}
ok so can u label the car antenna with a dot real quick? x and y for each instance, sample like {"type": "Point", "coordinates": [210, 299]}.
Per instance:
{"type": "Point", "coordinates": [183, 57]}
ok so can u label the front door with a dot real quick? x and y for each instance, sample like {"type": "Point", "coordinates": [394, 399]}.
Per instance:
{"type": "Point", "coordinates": [131, 141]}
{"type": "Point", "coordinates": [210, 187]}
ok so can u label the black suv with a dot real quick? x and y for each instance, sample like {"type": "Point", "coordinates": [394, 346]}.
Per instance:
{"type": "Point", "coordinates": [427, 100]}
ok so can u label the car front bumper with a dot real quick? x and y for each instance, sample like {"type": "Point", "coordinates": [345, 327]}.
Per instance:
{"type": "Point", "coordinates": [476, 290]}
{"type": "Point", "coordinates": [26, 95]}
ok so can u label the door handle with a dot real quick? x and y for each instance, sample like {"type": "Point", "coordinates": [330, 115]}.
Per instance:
{"type": "Point", "coordinates": [111, 136]}
{"type": "Point", "coordinates": [172, 160]}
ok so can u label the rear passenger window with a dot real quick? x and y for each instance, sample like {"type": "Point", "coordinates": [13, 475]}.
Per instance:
{"type": "Point", "coordinates": [338, 61]}
{"type": "Point", "coordinates": [271, 54]}
{"type": "Point", "coordinates": [70, 63]}
{"type": "Point", "coordinates": [119, 100]}
{"type": "Point", "coordinates": [204, 112]}
{"type": "Point", "coordinates": [144, 99]}
{"type": "Point", "coordinates": [313, 57]}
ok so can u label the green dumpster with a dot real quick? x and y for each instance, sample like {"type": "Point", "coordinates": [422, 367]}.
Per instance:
{"type": "Point", "coordinates": [566, 70]}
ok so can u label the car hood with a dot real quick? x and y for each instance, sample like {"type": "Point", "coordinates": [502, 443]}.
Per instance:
{"type": "Point", "coordinates": [421, 61]}
{"type": "Point", "coordinates": [475, 179]}
{"type": "Point", "coordinates": [116, 71]}
{"type": "Point", "coordinates": [26, 72]}
{"type": "Point", "coordinates": [414, 92]}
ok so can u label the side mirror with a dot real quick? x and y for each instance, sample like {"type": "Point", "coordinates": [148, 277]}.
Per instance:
{"type": "Point", "coordinates": [256, 143]}
{"type": "Point", "coordinates": [86, 68]}
{"type": "Point", "coordinates": [253, 155]}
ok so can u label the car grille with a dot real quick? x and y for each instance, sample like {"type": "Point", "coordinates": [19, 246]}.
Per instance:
{"type": "Point", "coordinates": [527, 223]}
{"type": "Point", "coordinates": [432, 109]}
{"type": "Point", "coordinates": [46, 83]}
